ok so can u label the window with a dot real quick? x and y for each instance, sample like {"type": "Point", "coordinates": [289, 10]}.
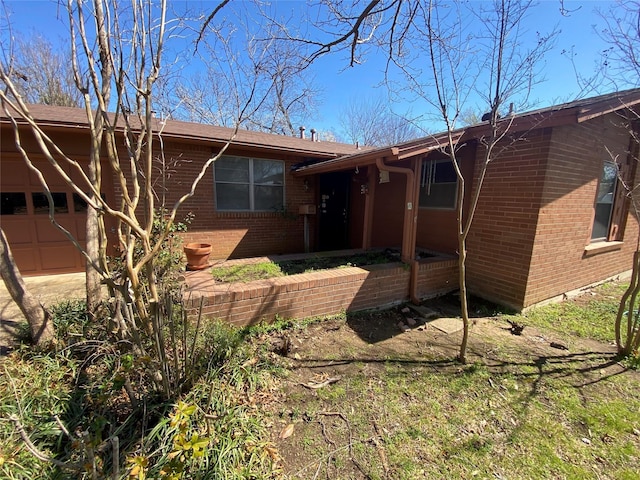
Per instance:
{"type": "Point", "coordinates": [439, 185]}
{"type": "Point", "coordinates": [13, 203]}
{"type": "Point", "coordinates": [41, 203]}
{"type": "Point", "coordinates": [249, 184]}
{"type": "Point", "coordinates": [604, 202]}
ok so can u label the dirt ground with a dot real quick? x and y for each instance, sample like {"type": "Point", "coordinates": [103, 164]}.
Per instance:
{"type": "Point", "coordinates": [337, 350]}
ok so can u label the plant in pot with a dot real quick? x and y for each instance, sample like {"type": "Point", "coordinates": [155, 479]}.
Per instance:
{"type": "Point", "coordinates": [197, 255]}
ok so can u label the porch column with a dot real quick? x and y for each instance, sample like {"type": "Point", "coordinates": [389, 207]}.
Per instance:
{"type": "Point", "coordinates": [407, 254]}
{"type": "Point", "coordinates": [369, 201]}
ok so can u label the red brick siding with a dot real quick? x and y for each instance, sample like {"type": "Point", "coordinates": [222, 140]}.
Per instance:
{"type": "Point", "coordinates": [535, 215]}
{"type": "Point", "coordinates": [322, 293]}
{"type": "Point", "coordinates": [501, 240]}
{"type": "Point", "coordinates": [235, 234]}
{"type": "Point", "coordinates": [559, 263]}
{"type": "Point", "coordinates": [437, 277]}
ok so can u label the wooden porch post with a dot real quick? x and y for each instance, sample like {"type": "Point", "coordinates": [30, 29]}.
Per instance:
{"type": "Point", "coordinates": [407, 255]}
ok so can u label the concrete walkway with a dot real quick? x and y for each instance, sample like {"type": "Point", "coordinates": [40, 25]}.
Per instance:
{"type": "Point", "coordinates": [49, 289]}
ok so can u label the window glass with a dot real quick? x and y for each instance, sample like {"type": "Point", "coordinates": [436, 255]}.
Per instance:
{"type": "Point", "coordinates": [267, 172]}
{"type": "Point", "coordinates": [439, 186]}
{"type": "Point", "coordinates": [232, 169]}
{"type": "Point", "coordinates": [444, 172]}
{"type": "Point", "coordinates": [79, 205]}
{"type": "Point", "coordinates": [249, 184]}
{"type": "Point", "coordinates": [231, 196]}
{"type": "Point", "coordinates": [13, 203]}
{"type": "Point", "coordinates": [41, 203]}
{"type": "Point", "coordinates": [268, 198]}
{"type": "Point", "coordinates": [604, 202]}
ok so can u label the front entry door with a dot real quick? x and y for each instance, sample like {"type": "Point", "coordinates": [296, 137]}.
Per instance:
{"type": "Point", "coordinates": [333, 215]}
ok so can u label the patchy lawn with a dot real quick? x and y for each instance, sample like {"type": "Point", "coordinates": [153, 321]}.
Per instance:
{"type": "Point", "coordinates": [368, 396]}
{"type": "Point", "coordinates": [363, 400]}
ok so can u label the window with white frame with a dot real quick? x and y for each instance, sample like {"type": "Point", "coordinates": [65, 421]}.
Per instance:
{"type": "Point", "coordinates": [604, 203]}
{"type": "Point", "coordinates": [439, 185]}
{"type": "Point", "coordinates": [252, 184]}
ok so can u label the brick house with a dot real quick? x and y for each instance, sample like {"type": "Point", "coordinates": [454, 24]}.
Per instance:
{"type": "Point", "coordinates": [551, 217]}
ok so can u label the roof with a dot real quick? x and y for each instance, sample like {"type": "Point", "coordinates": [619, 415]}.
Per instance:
{"type": "Point", "coordinates": [571, 112]}
{"type": "Point", "coordinates": [75, 118]}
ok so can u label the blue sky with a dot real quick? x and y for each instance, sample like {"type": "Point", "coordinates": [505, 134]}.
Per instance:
{"type": "Point", "coordinates": [340, 84]}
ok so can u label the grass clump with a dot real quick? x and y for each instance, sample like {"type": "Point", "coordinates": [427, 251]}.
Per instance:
{"type": "Point", "coordinates": [74, 402]}
{"type": "Point", "coordinates": [246, 272]}
{"type": "Point", "coordinates": [587, 316]}
{"type": "Point", "coordinates": [264, 270]}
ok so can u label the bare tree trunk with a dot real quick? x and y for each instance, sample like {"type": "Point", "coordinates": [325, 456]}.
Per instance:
{"type": "Point", "coordinates": [626, 328]}
{"type": "Point", "coordinates": [40, 323]}
{"type": "Point", "coordinates": [93, 277]}
{"type": "Point", "coordinates": [464, 303]}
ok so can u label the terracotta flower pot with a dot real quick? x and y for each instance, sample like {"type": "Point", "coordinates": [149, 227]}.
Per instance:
{"type": "Point", "coordinates": [197, 255]}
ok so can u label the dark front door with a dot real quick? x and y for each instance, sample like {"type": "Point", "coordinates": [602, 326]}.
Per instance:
{"type": "Point", "coordinates": [333, 215]}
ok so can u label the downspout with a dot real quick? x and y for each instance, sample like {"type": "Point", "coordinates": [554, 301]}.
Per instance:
{"type": "Point", "coordinates": [409, 224]}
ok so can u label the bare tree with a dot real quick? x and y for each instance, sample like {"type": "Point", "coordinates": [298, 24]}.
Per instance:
{"type": "Point", "coordinates": [622, 34]}
{"type": "Point", "coordinates": [450, 54]}
{"type": "Point", "coordinates": [42, 72]}
{"type": "Point", "coordinates": [117, 55]}
{"type": "Point", "coordinates": [240, 63]}
{"type": "Point", "coordinates": [372, 122]}
{"type": "Point", "coordinates": [622, 62]}
{"type": "Point", "coordinates": [627, 324]}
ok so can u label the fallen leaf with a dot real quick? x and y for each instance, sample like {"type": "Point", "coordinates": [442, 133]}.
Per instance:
{"type": "Point", "coordinates": [286, 431]}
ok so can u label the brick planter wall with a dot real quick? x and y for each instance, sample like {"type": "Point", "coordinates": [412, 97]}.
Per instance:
{"type": "Point", "coordinates": [326, 292]}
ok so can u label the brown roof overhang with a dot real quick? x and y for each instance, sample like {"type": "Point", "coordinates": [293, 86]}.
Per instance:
{"type": "Point", "coordinates": [396, 153]}
{"type": "Point", "coordinates": [67, 118]}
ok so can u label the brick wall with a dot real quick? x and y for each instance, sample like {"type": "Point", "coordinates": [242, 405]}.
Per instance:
{"type": "Point", "coordinates": [527, 243]}
{"type": "Point", "coordinates": [559, 261]}
{"type": "Point", "coordinates": [437, 277]}
{"type": "Point", "coordinates": [501, 239]}
{"type": "Point", "coordinates": [321, 293]}
{"type": "Point", "coordinates": [236, 234]}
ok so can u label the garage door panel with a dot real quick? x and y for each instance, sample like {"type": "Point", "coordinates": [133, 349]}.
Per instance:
{"type": "Point", "coordinates": [38, 247]}
{"type": "Point", "coordinates": [58, 257]}
{"type": "Point", "coordinates": [81, 229]}
{"type": "Point", "coordinates": [25, 259]}
{"type": "Point", "coordinates": [14, 176]}
{"type": "Point", "coordinates": [17, 230]}
{"type": "Point", "coordinates": [54, 179]}
{"type": "Point", "coordinates": [46, 232]}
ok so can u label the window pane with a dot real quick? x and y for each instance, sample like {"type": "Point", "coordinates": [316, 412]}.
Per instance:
{"type": "Point", "coordinates": [232, 196]}
{"type": "Point", "coordinates": [604, 202]}
{"type": "Point", "coordinates": [268, 172]}
{"type": "Point", "coordinates": [268, 198]}
{"type": "Point", "coordinates": [441, 195]}
{"type": "Point", "coordinates": [232, 169]}
{"type": "Point", "coordinates": [445, 173]}
{"type": "Point", "coordinates": [13, 203]}
{"type": "Point", "coordinates": [41, 204]}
